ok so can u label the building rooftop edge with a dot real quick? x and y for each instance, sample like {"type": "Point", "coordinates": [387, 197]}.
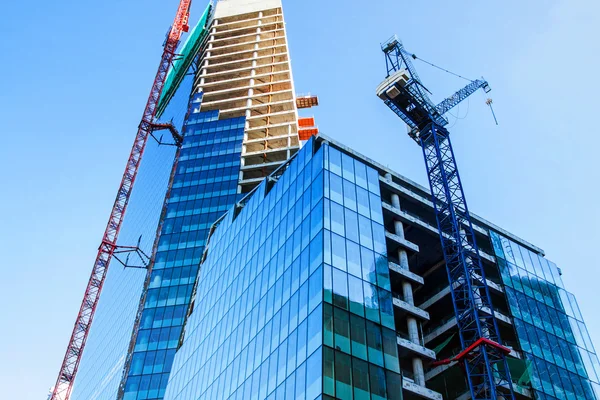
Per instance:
{"type": "Point", "coordinates": [228, 8]}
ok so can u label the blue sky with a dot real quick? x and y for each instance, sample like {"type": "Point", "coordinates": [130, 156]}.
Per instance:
{"type": "Point", "coordinates": [75, 80]}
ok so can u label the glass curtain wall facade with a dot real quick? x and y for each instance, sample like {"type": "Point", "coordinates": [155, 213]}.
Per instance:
{"type": "Point", "coordinates": [279, 311]}
{"type": "Point", "coordinates": [561, 360]}
{"type": "Point", "coordinates": [204, 186]}
{"type": "Point", "coordinates": [360, 352]}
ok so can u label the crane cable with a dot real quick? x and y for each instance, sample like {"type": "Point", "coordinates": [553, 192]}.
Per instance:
{"type": "Point", "coordinates": [488, 101]}
{"type": "Point", "coordinates": [414, 56]}
{"type": "Point", "coordinates": [457, 116]}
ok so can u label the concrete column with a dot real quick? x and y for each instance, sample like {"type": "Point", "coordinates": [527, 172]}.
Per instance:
{"type": "Point", "coordinates": [413, 330]}
{"type": "Point", "coordinates": [418, 372]}
{"type": "Point", "coordinates": [241, 174]}
{"type": "Point", "coordinates": [407, 294]}
{"type": "Point", "coordinates": [396, 201]}
{"type": "Point", "coordinates": [403, 258]}
{"type": "Point", "coordinates": [204, 71]}
{"type": "Point", "coordinates": [417, 363]}
{"type": "Point", "coordinates": [253, 72]}
{"type": "Point", "coordinates": [399, 230]}
{"type": "Point", "coordinates": [205, 63]}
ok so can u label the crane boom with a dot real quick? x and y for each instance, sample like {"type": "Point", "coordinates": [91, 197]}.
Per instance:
{"type": "Point", "coordinates": [68, 370]}
{"type": "Point", "coordinates": [452, 101]}
{"type": "Point", "coordinates": [483, 356]}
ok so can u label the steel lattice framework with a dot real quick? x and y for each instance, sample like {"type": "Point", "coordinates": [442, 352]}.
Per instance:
{"type": "Point", "coordinates": [483, 356]}
{"type": "Point", "coordinates": [484, 362]}
{"type": "Point", "coordinates": [68, 371]}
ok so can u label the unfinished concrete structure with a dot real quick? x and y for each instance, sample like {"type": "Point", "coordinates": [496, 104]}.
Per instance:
{"type": "Point", "coordinates": [245, 71]}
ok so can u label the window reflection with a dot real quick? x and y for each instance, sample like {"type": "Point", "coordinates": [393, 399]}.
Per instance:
{"type": "Point", "coordinates": [548, 322]}
{"type": "Point", "coordinates": [295, 292]}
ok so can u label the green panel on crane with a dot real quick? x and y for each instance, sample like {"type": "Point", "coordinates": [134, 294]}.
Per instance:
{"type": "Point", "coordinates": [183, 62]}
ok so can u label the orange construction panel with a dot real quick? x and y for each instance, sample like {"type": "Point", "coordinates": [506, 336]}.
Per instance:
{"type": "Point", "coordinates": [307, 101]}
{"type": "Point", "coordinates": [306, 122]}
{"type": "Point", "coordinates": [305, 134]}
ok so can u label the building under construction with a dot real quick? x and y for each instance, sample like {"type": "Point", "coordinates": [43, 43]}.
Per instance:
{"type": "Point", "coordinates": [259, 259]}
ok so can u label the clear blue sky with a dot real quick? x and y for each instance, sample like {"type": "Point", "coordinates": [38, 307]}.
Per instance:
{"type": "Point", "coordinates": [75, 76]}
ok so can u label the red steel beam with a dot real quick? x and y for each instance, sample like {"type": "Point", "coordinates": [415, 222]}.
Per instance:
{"type": "Point", "coordinates": [68, 371]}
{"type": "Point", "coordinates": [466, 352]}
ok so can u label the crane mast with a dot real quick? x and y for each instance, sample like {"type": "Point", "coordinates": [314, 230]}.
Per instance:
{"type": "Point", "coordinates": [68, 370]}
{"type": "Point", "coordinates": [483, 356]}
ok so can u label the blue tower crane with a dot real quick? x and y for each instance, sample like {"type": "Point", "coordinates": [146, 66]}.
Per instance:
{"type": "Point", "coordinates": [483, 356]}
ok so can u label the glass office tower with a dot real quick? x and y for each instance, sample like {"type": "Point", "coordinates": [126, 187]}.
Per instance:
{"type": "Point", "coordinates": [280, 311]}
{"type": "Point", "coordinates": [204, 187]}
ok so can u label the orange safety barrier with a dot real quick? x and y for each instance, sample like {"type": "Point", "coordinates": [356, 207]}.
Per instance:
{"type": "Point", "coordinates": [305, 134]}
{"type": "Point", "coordinates": [306, 122]}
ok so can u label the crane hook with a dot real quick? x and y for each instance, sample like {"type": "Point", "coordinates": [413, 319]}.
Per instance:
{"type": "Point", "coordinates": [489, 102]}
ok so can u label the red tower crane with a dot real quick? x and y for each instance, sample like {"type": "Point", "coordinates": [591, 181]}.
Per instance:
{"type": "Point", "coordinates": [68, 370]}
